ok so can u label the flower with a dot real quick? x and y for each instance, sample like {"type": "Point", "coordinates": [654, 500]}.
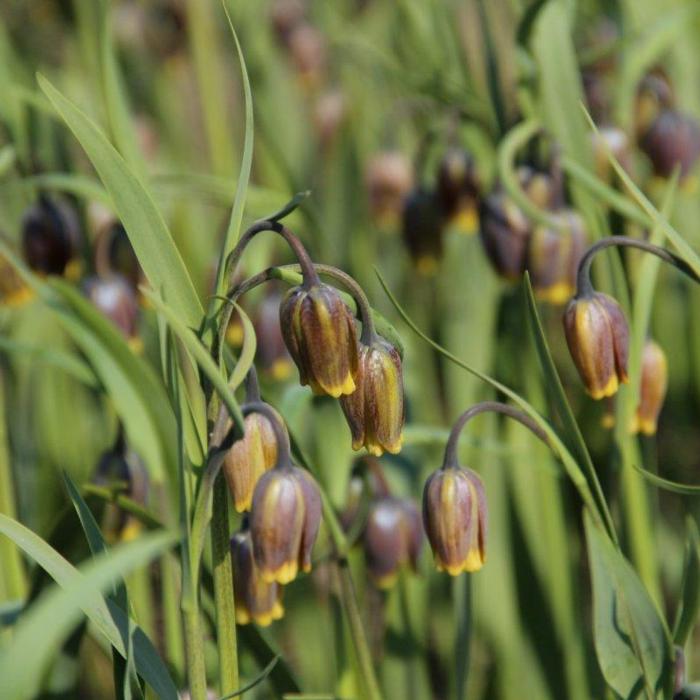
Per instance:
{"type": "Point", "coordinates": [553, 257]}
{"type": "Point", "coordinates": [458, 189]}
{"type": "Point", "coordinates": [455, 519]}
{"type": "Point", "coordinates": [672, 139]}
{"type": "Point", "coordinates": [115, 298]}
{"type": "Point", "coordinates": [652, 391]}
{"type": "Point", "coordinates": [284, 523]}
{"type": "Point", "coordinates": [255, 599]}
{"type": "Point", "coordinates": [375, 411]}
{"type": "Point", "coordinates": [422, 229]}
{"type": "Point", "coordinates": [598, 338]}
{"type": "Point", "coordinates": [249, 458]}
{"type": "Point", "coordinates": [392, 538]}
{"type": "Point", "coordinates": [319, 332]}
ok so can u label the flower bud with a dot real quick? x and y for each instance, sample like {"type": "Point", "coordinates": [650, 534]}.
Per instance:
{"type": "Point", "coordinates": [330, 111]}
{"type": "Point", "coordinates": [458, 189]}
{"type": "Point", "coordinates": [392, 539]}
{"type": "Point", "coordinates": [455, 519]}
{"type": "Point", "coordinates": [308, 51]}
{"type": "Point", "coordinates": [614, 140]}
{"type": "Point", "coordinates": [320, 334]}
{"type": "Point", "coordinates": [598, 338]}
{"type": "Point", "coordinates": [652, 391]}
{"type": "Point", "coordinates": [672, 139]}
{"type": "Point", "coordinates": [116, 300]}
{"type": "Point", "coordinates": [255, 600]}
{"type": "Point", "coordinates": [423, 229]}
{"type": "Point", "coordinates": [654, 94]}
{"type": "Point", "coordinates": [505, 232]}
{"type": "Point", "coordinates": [50, 234]}
{"type": "Point", "coordinates": [375, 411]}
{"type": "Point", "coordinates": [126, 474]}
{"type": "Point", "coordinates": [389, 179]}
{"type": "Point", "coordinates": [284, 523]}
{"type": "Point", "coordinates": [249, 458]}
{"type": "Point", "coordinates": [115, 254]}
{"type": "Point", "coordinates": [285, 17]}
{"type": "Point", "coordinates": [271, 350]}
{"type": "Point", "coordinates": [553, 257]}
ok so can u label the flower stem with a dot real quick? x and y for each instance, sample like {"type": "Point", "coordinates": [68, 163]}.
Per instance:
{"type": "Point", "coordinates": [451, 459]}
{"type": "Point", "coordinates": [583, 275]}
{"type": "Point", "coordinates": [194, 644]}
{"type": "Point", "coordinates": [223, 590]}
{"type": "Point", "coordinates": [357, 631]}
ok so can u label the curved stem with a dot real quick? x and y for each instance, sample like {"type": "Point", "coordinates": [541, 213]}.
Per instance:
{"type": "Point", "coordinates": [252, 388]}
{"type": "Point", "coordinates": [583, 275]}
{"type": "Point", "coordinates": [307, 267]}
{"type": "Point", "coordinates": [451, 460]}
{"type": "Point", "coordinates": [284, 451]}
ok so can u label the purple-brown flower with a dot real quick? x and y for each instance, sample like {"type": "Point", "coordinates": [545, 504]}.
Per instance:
{"type": "Point", "coordinates": [598, 338]}
{"type": "Point", "coordinates": [392, 539]}
{"type": "Point", "coordinates": [284, 523]}
{"type": "Point", "coordinates": [375, 411]}
{"type": "Point", "coordinates": [320, 334]}
{"type": "Point", "coordinates": [455, 519]}
{"type": "Point", "coordinates": [115, 298]}
{"type": "Point", "coordinates": [249, 458]}
{"type": "Point", "coordinates": [652, 390]}
{"type": "Point", "coordinates": [458, 189]}
{"type": "Point", "coordinates": [256, 600]}
{"type": "Point", "coordinates": [672, 139]}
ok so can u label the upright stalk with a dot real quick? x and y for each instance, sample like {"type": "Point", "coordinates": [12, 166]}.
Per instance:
{"type": "Point", "coordinates": [194, 646]}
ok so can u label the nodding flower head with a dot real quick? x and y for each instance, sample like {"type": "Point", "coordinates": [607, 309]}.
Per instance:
{"type": "Point", "coordinates": [375, 411]}
{"type": "Point", "coordinates": [652, 390]}
{"type": "Point", "coordinates": [672, 139]}
{"type": "Point", "coordinates": [321, 337]}
{"type": "Point", "coordinates": [598, 338]}
{"type": "Point", "coordinates": [249, 458]}
{"type": "Point", "coordinates": [392, 539]}
{"type": "Point", "coordinates": [389, 179]}
{"type": "Point", "coordinates": [256, 600]}
{"type": "Point", "coordinates": [284, 523]}
{"type": "Point", "coordinates": [423, 226]}
{"type": "Point", "coordinates": [458, 189]}
{"type": "Point", "coordinates": [553, 257]}
{"type": "Point", "coordinates": [455, 519]}
{"type": "Point", "coordinates": [50, 236]}
{"type": "Point", "coordinates": [115, 298]}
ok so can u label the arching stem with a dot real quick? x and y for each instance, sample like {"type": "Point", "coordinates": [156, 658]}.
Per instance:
{"type": "Point", "coordinates": [583, 275]}
{"type": "Point", "coordinates": [451, 460]}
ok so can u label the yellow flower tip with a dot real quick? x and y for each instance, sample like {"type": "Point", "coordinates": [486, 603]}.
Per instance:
{"type": "Point", "coordinates": [333, 390]}
{"type": "Point", "coordinates": [645, 426]}
{"type": "Point", "coordinates": [131, 530]}
{"type": "Point", "coordinates": [266, 618]}
{"type": "Point", "coordinates": [135, 344]}
{"type": "Point", "coordinates": [234, 335]}
{"type": "Point", "coordinates": [557, 294]}
{"type": "Point", "coordinates": [608, 421]}
{"type": "Point", "coordinates": [374, 448]}
{"type": "Point", "coordinates": [427, 265]}
{"type": "Point", "coordinates": [466, 221]}
{"type": "Point", "coordinates": [19, 297]}
{"type": "Point", "coordinates": [284, 574]}
{"type": "Point", "coordinates": [281, 369]}
{"type": "Point", "coordinates": [74, 270]}
{"type": "Point", "coordinates": [385, 582]}
{"type": "Point", "coordinates": [242, 616]}
{"type": "Point", "coordinates": [242, 505]}
{"type": "Point", "coordinates": [471, 563]}
{"type": "Point", "coordinates": [609, 389]}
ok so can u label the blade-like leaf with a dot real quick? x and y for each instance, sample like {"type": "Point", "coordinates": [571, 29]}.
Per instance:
{"type": "Point", "coordinates": [152, 242]}
{"type": "Point", "coordinates": [631, 640]}
{"type": "Point", "coordinates": [265, 673]}
{"type": "Point", "coordinates": [690, 593]}
{"type": "Point", "coordinates": [51, 619]}
{"type": "Point", "coordinates": [668, 485]}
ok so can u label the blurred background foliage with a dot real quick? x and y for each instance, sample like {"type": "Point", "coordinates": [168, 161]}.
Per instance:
{"type": "Point", "coordinates": [340, 89]}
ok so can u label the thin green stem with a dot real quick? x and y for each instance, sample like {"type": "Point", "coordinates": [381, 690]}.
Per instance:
{"type": "Point", "coordinates": [194, 645]}
{"type": "Point", "coordinates": [223, 590]}
{"type": "Point", "coordinates": [357, 631]}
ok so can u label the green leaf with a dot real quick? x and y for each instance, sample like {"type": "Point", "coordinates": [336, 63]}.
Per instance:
{"type": "Point", "coordinates": [247, 355]}
{"type": "Point", "coordinates": [43, 627]}
{"type": "Point", "coordinates": [288, 208]}
{"type": "Point", "coordinates": [667, 484]}
{"type": "Point", "coordinates": [138, 395]}
{"type": "Point", "coordinates": [234, 226]}
{"type": "Point", "coordinates": [144, 224]}
{"type": "Point", "coordinates": [557, 395]}
{"type": "Point", "coordinates": [631, 640]}
{"type": "Point", "coordinates": [690, 591]}
{"type": "Point", "coordinates": [201, 355]}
